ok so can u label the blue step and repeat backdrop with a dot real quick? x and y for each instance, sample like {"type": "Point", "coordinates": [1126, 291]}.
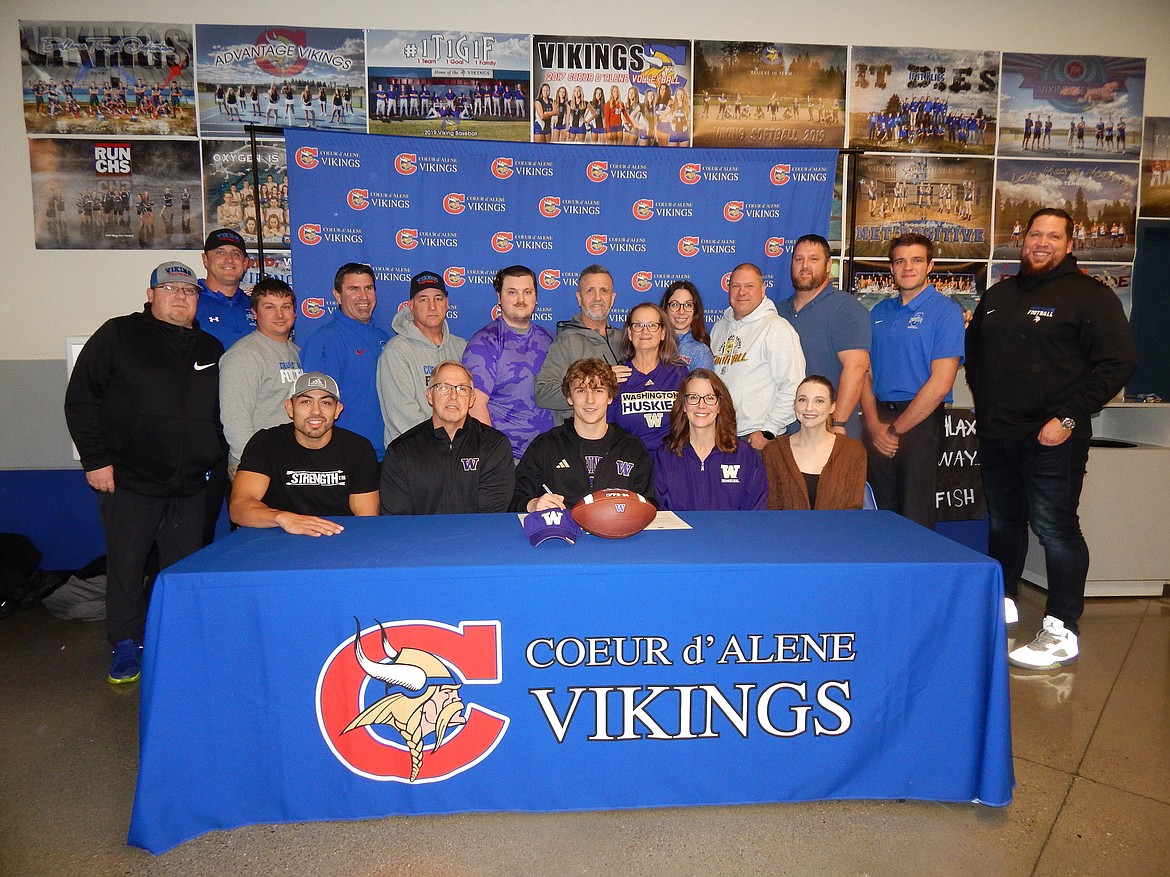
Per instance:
{"type": "Point", "coordinates": [466, 209]}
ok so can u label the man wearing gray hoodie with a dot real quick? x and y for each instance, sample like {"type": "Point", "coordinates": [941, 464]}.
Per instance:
{"type": "Point", "coordinates": [421, 342]}
{"type": "Point", "coordinates": [587, 336]}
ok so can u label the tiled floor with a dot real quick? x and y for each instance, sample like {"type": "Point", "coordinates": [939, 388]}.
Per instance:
{"type": "Point", "coordinates": [1092, 762]}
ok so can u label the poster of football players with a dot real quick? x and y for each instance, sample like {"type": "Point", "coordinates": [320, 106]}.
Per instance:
{"type": "Point", "coordinates": [254, 206]}
{"type": "Point", "coordinates": [948, 199]}
{"type": "Point", "coordinates": [923, 100]}
{"type": "Point", "coordinates": [1156, 167]}
{"type": "Point", "coordinates": [291, 77]}
{"type": "Point", "coordinates": [113, 77]}
{"type": "Point", "coordinates": [449, 84]}
{"type": "Point", "coordinates": [611, 91]}
{"type": "Point", "coordinates": [1101, 197]}
{"type": "Point", "coordinates": [1072, 106]}
{"type": "Point", "coordinates": [753, 94]}
{"type": "Point", "coordinates": [115, 193]}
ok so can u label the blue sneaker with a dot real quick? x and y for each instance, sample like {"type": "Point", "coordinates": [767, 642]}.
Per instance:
{"type": "Point", "coordinates": [126, 665]}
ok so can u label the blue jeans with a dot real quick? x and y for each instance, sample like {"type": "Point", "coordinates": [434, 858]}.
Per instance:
{"type": "Point", "coordinates": [1027, 483]}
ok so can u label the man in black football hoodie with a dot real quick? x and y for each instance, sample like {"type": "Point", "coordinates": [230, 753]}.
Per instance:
{"type": "Point", "coordinates": [1046, 349]}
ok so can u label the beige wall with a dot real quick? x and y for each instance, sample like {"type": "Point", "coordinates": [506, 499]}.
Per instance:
{"type": "Point", "coordinates": [48, 295]}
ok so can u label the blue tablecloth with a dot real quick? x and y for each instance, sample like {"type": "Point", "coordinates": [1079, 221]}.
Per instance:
{"type": "Point", "coordinates": [770, 656]}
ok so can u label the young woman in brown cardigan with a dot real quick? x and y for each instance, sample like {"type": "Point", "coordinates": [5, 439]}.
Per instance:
{"type": "Point", "coordinates": [815, 462]}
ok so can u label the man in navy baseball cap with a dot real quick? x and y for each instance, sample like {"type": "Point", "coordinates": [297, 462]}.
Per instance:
{"type": "Point", "coordinates": [224, 311]}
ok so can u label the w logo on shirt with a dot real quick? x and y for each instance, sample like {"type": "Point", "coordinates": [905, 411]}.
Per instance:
{"type": "Point", "coordinates": [654, 419]}
{"type": "Point", "coordinates": [552, 517]}
{"type": "Point", "coordinates": [730, 473]}
{"type": "Point", "coordinates": [624, 468]}
{"type": "Point", "coordinates": [470, 464]}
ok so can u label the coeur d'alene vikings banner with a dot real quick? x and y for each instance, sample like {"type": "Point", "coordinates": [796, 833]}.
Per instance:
{"type": "Point", "coordinates": [465, 209]}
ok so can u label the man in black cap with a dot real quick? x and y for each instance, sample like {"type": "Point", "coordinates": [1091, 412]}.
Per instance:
{"type": "Point", "coordinates": [423, 340]}
{"type": "Point", "coordinates": [296, 475]}
{"type": "Point", "coordinates": [223, 311]}
{"type": "Point", "coordinates": [143, 409]}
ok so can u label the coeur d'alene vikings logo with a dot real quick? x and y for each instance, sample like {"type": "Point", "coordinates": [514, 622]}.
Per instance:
{"type": "Point", "coordinates": [390, 706]}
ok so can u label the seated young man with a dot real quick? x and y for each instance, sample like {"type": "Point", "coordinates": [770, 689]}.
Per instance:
{"type": "Point", "coordinates": [295, 475]}
{"type": "Point", "coordinates": [586, 452]}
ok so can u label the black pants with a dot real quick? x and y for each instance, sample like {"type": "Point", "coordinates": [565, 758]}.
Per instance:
{"type": "Point", "coordinates": [133, 525]}
{"type": "Point", "coordinates": [907, 483]}
{"type": "Point", "coordinates": [1030, 484]}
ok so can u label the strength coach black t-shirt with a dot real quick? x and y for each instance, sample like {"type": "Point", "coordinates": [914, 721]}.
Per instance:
{"type": "Point", "coordinates": [312, 482]}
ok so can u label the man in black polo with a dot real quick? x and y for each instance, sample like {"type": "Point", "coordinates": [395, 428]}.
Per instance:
{"type": "Point", "coordinates": [450, 463]}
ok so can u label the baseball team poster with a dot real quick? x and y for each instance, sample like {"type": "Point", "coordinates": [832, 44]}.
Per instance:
{"type": "Point", "coordinates": [234, 201]}
{"type": "Point", "coordinates": [769, 94]}
{"type": "Point", "coordinates": [611, 91]}
{"type": "Point", "coordinates": [107, 78]}
{"type": "Point", "coordinates": [923, 100]}
{"type": "Point", "coordinates": [1072, 106]}
{"type": "Point", "coordinates": [116, 194]}
{"type": "Point", "coordinates": [291, 77]}
{"type": "Point", "coordinates": [449, 83]}
{"type": "Point", "coordinates": [1101, 197]}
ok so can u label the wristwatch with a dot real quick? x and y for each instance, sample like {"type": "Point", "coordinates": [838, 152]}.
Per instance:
{"type": "Point", "coordinates": [1067, 423]}
{"type": "Point", "coordinates": [837, 423]}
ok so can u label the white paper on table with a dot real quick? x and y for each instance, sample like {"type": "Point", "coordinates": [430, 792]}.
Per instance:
{"type": "Point", "coordinates": [668, 521]}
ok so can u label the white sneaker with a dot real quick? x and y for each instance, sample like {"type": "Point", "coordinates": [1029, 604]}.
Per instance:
{"type": "Point", "coordinates": [1011, 613]}
{"type": "Point", "coordinates": [1054, 646]}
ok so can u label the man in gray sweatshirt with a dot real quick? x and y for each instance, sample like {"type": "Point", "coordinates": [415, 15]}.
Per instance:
{"type": "Point", "coordinates": [421, 342]}
{"type": "Point", "coordinates": [256, 373]}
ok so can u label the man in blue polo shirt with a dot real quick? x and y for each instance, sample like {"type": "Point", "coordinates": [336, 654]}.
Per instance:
{"type": "Point", "coordinates": [917, 349]}
{"type": "Point", "coordinates": [348, 348]}
{"type": "Point", "coordinates": [223, 311]}
{"type": "Point", "coordinates": [833, 327]}
{"type": "Point", "coordinates": [226, 313]}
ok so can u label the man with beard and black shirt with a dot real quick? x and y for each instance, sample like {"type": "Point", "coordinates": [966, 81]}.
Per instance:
{"type": "Point", "coordinates": [1045, 350]}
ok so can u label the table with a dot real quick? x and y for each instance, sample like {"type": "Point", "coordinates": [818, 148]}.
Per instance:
{"type": "Point", "coordinates": [763, 656]}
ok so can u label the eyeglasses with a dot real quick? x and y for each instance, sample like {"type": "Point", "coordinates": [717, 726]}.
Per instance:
{"type": "Point", "coordinates": [181, 289]}
{"type": "Point", "coordinates": [680, 305]}
{"type": "Point", "coordinates": [708, 399]}
{"type": "Point", "coordinates": [649, 327]}
{"type": "Point", "coordinates": [461, 390]}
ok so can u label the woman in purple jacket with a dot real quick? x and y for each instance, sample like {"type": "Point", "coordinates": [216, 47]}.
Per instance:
{"type": "Point", "coordinates": [701, 465]}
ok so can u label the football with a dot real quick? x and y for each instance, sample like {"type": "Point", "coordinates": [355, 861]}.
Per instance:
{"type": "Point", "coordinates": [614, 514]}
